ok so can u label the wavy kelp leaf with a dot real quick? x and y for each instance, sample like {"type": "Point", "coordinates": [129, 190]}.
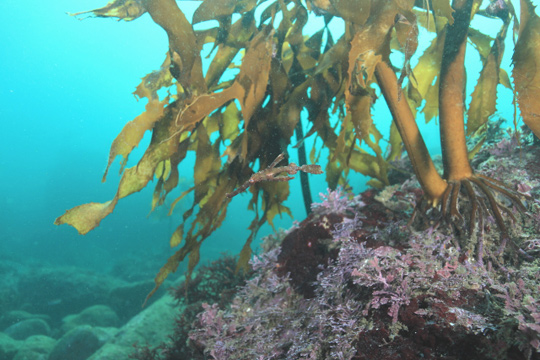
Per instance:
{"type": "Point", "coordinates": [255, 70]}
{"type": "Point", "coordinates": [203, 105]}
{"type": "Point", "coordinates": [484, 97]}
{"type": "Point", "coordinates": [213, 9]}
{"type": "Point", "coordinates": [244, 6]}
{"type": "Point", "coordinates": [186, 61]}
{"type": "Point", "coordinates": [343, 140]}
{"type": "Point", "coordinates": [425, 73]}
{"type": "Point", "coordinates": [395, 143]}
{"type": "Point", "coordinates": [351, 157]}
{"type": "Point", "coordinates": [273, 194]}
{"type": "Point", "coordinates": [249, 87]}
{"type": "Point", "coordinates": [177, 236]}
{"type": "Point", "coordinates": [407, 35]}
{"type": "Point", "coordinates": [526, 62]}
{"type": "Point", "coordinates": [123, 9]}
{"type": "Point", "coordinates": [133, 132]}
{"type": "Point", "coordinates": [170, 267]}
{"type": "Point", "coordinates": [253, 76]}
{"type": "Point", "coordinates": [359, 110]}
{"type": "Point", "coordinates": [381, 179]}
{"type": "Point", "coordinates": [425, 19]}
{"type": "Point", "coordinates": [245, 253]}
{"type": "Point", "coordinates": [155, 81]}
{"type": "Point", "coordinates": [305, 58]}
{"type": "Point", "coordinates": [237, 37]}
{"type": "Point", "coordinates": [366, 164]}
{"type": "Point", "coordinates": [230, 123]}
{"type": "Point", "coordinates": [443, 8]}
{"type": "Point", "coordinates": [355, 11]}
{"type": "Point", "coordinates": [362, 63]}
{"type": "Point", "coordinates": [431, 108]}
{"type": "Point", "coordinates": [481, 42]}
{"type": "Point", "coordinates": [162, 172]}
{"type": "Point", "coordinates": [207, 165]}
{"type": "Point", "coordinates": [162, 146]}
{"type": "Point", "coordinates": [291, 108]}
{"type": "Point", "coordinates": [219, 64]}
{"type": "Point", "coordinates": [210, 35]}
{"type": "Point", "coordinates": [333, 56]}
{"type": "Point", "coordinates": [209, 218]}
{"type": "Point", "coordinates": [287, 56]}
{"type": "Point", "coordinates": [87, 216]}
{"type": "Point", "coordinates": [168, 177]}
{"type": "Point", "coordinates": [477, 147]}
{"type": "Point", "coordinates": [504, 79]}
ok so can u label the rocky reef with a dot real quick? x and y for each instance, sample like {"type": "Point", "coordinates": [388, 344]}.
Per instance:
{"type": "Point", "coordinates": [358, 279]}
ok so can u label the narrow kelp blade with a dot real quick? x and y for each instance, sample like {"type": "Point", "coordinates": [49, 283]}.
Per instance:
{"type": "Point", "coordinates": [527, 67]}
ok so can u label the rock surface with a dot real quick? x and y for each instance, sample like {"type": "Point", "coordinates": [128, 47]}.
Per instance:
{"type": "Point", "coordinates": [8, 346]}
{"type": "Point", "coordinates": [36, 347]}
{"type": "Point", "coordinates": [150, 327]}
{"type": "Point", "coordinates": [80, 342]}
{"type": "Point", "coordinates": [97, 315]}
{"type": "Point", "coordinates": [26, 328]}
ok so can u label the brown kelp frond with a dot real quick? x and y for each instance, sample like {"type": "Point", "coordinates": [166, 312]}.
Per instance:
{"type": "Point", "coordinates": [526, 72]}
{"type": "Point", "coordinates": [267, 80]}
{"type": "Point", "coordinates": [122, 9]}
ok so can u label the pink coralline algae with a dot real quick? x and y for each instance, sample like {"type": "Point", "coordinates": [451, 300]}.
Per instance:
{"type": "Point", "coordinates": [357, 280]}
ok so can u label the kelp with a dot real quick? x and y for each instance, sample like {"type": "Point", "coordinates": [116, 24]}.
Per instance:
{"type": "Point", "coordinates": [526, 67]}
{"type": "Point", "coordinates": [264, 73]}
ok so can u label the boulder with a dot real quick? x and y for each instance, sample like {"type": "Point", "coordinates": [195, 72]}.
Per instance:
{"type": "Point", "coordinates": [150, 327]}
{"type": "Point", "coordinates": [127, 300]}
{"type": "Point", "coordinates": [112, 351]}
{"type": "Point", "coordinates": [15, 316]}
{"type": "Point", "coordinates": [26, 328]}
{"type": "Point", "coordinates": [36, 347]}
{"type": "Point", "coordinates": [80, 342]}
{"type": "Point", "coordinates": [8, 346]}
{"type": "Point", "coordinates": [62, 291]}
{"type": "Point", "coordinates": [97, 315]}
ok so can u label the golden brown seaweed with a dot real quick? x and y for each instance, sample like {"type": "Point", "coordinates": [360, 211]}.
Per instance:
{"type": "Point", "coordinates": [233, 122]}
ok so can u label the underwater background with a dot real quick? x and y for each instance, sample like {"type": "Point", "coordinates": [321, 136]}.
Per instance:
{"type": "Point", "coordinates": [66, 92]}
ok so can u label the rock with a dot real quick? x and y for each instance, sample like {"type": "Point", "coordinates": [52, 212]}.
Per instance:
{"type": "Point", "coordinates": [15, 316]}
{"type": "Point", "coordinates": [8, 346]}
{"type": "Point", "coordinates": [59, 292]}
{"type": "Point", "coordinates": [152, 326]}
{"type": "Point", "coordinates": [26, 328]}
{"type": "Point", "coordinates": [36, 347]}
{"type": "Point", "coordinates": [97, 315]}
{"type": "Point", "coordinates": [127, 300]}
{"type": "Point", "coordinates": [27, 354]}
{"type": "Point", "coordinates": [112, 351]}
{"type": "Point", "coordinates": [80, 342]}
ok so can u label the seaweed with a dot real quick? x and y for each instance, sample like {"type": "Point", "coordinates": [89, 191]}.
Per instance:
{"type": "Point", "coordinates": [236, 121]}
